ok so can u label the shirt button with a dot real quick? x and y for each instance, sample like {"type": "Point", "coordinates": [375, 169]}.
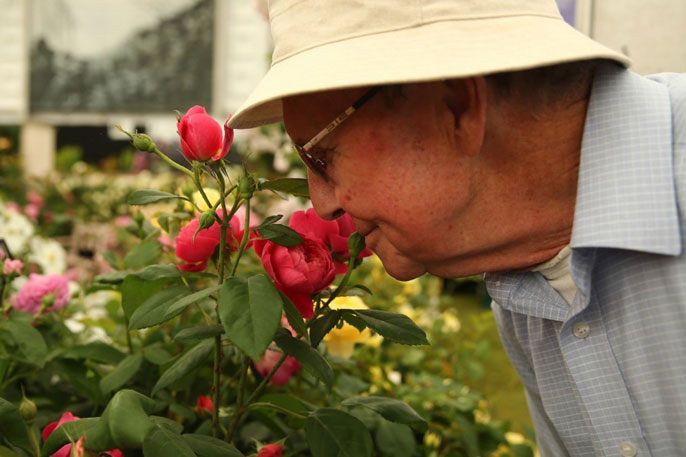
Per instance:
{"type": "Point", "coordinates": [581, 330]}
{"type": "Point", "coordinates": [627, 449]}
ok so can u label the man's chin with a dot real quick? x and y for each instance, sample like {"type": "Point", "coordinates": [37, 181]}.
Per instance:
{"type": "Point", "coordinates": [402, 268]}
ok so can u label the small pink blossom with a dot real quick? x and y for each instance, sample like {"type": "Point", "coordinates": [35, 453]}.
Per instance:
{"type": "Point", "coordinates": [13, 206]}
{"type": "Point", "coordinates": [32, 211]}
{"type": "Point", "coordinates": [12, 266]}
{"type": "Point", "coordinates": [122, 221]}
{"type": "Point", "coordinates": [30, 296]}
{"type": "Point", "coordinates": [35, 198]}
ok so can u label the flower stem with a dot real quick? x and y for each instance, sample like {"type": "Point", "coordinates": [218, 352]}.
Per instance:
{"type": "Point", "coordinates": [262, 404]}
{"type": "Point", "coordinates": [181, 168]}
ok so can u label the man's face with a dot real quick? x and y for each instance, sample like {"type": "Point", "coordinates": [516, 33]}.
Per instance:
{"type": "Point", "coordinates": [393, 166]}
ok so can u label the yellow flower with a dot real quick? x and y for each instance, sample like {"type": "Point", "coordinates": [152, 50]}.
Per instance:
{"type": "Point", "coordinates": [514, 438]}
{"type": "Point", "coordinates": [341, 341]}
{"type": "Point", "coordinates": [213, 196]}
{"type": "Point", "coordinates": [432, 439]}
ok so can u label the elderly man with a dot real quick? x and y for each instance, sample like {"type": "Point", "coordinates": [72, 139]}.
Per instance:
{"type": "Point", "coordinates": [467, 137]}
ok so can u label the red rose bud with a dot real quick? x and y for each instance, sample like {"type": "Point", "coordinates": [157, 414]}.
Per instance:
{"type": "Point", "coordinates": [201, 136]}
{"type": "Point", "coordinates": [288, 368]}
{"type": "Point", "coordinates": [270, 450]}
{"type": "Point", "coordinates": [298, 271]}
{"type": "Point", "coordinates": [204, 405]}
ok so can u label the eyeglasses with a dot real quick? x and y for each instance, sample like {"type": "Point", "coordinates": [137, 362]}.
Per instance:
{"type": "Point", "coordinates": [316, 164]}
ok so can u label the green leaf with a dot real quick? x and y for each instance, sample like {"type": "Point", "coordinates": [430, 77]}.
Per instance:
{"type": "Point", "coordinates": [395, 440]}
{"type": "Point", "coordinates": [13, 430]}
{"type": "Point", "coordinates": [392, 326]}
{"type": "Point", "coordinates": [390, 408]}
{"type": "Point", "coordinates": [281, 235]}
{"type": "Point", "coordinates": [96, 351]}
{"type": "Point", "coordinates": [162, 442]}
{"type": "Point", "coordinates": [165, 422]}
{"type": "Point", "coordinates": [153, 272]}
{"type": "Point", "coordinates": [29, 341]}
{"type": "Point", "coordinates": [126, 370]}
{"type": "Point", "coordinates": [200, 332]}
{"type": "Point", "coordinates": [289, 402]}
{"type": "Point", "coordinates": [308, 356]}
{"type": "Point", "coordinates": [322, 325]}
{"type": "Point", "coordinates": [154, 309]}
{"type": "Point", "coordinates": [145, 253]}
{"type": "Point", "coordinates": [110, 258]}
{"type": "Point", "coordinates": [250, 312]}
{"type": "Point", "coordinates": [269, 221]}
{"type": "Point", "coordinates": [157, 355]}
{"type": "Point", "coordinates": [295, 319]}
{"type": "Point", "coordinates": [135, 291]}
{"type": "Point", "coordinates": [185, 364]}
{"type": "Point", "coordinates": [147, 196]}
{"type": "Point", "coordinates": [293, 186]}
{"type": "Point", "coordinates": [333, 433]}
{"type": "Point", "coordinates": [206, 446]}
{"type": "Point", "coordinates": [76, 376]}
{"type": "Point", "coordinates": [65, 433]}
{"type": "Point", "coordinates": [166, 311]}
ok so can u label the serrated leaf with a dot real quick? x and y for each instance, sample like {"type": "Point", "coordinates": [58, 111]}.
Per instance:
{"type": "Point", "coordinates": [322, 325]}
{"type": "Point", "coordinates": [295, 319]}
{"type": "Point", "coordinates": [250, 311]}
{"type": "Point", "coordinates": [185, 364]}
{"type": "Point", "coordinates": [395, 440]}
{"type": "Point", "coordinates": [154, 309]}
{"type": "Point", "coordinates": [126, 370]}
{"type": "Point", "coordinates": [199, 333]}
{"type": "Point", "coordinates": [390, 408]}
{"type": "Point", "coordinates": [144, 253]}
{"type": "Point", "coordinates": [154, 272]}
{"type": "Point", "coordinates": [206, 446]}
{"type": "Point", "coordinates": [281, 235]}
{"type": "Point", "coordinates": [147, 196]}
{"type": "Point", "coordinates": [293, 186]}
{"type": "Point", "coordinates": [333, 433]}
{"type": "Point", "coordinates": [29, 341]}
{"type": "Point", "coordinates": [308, 356]}
{"type": "Point", "coordinates": [392, 326]}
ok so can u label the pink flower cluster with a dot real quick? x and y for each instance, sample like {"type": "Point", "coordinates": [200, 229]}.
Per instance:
{"type": "Point", "coordinates": [29, 298]}
{"type": "Point", "coordinates": [308, 268]}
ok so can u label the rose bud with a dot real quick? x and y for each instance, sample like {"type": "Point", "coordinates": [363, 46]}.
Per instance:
{"type": "Point", "coordinates": [201, 136]}
{"type": "Point", "coordinates": [270, 450]}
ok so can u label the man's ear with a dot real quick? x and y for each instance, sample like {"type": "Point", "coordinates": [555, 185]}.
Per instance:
{"type": "Point", "coordinates": [467, 102]}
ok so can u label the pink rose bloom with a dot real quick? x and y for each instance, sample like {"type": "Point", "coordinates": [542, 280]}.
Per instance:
{"type": "Point", "coordinates": [288, 368]}
{"type": "Point", "coordinates": [30, 296]}
{"type": "Point", "coordinates": [196, 252]}
{"type": "Point", "coordinates": [298, 271]}
{"type": "Point", "coordinates": [201, 136]}
{"type": "Point", "coordinates": [35, 198]}
{"type": "Point", "coordinates": [333, 233]}
{"type": "Point", "coordinates": [32, 211]}
{"type": "Point", "coordinates": [270, 450]}
{"type": "Point", "coordinates": [12, 266]}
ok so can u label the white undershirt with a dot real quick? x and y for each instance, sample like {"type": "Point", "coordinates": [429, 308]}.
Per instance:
{"type": "Point", "coordinates": [558, 274]}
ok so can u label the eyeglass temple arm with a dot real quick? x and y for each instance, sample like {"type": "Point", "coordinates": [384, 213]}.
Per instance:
{"type": "Point", "coordinates": [341, 117]}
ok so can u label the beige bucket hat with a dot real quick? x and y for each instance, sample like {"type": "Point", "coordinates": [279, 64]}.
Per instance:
{"type": "Point", "coordinates": [334, 44]}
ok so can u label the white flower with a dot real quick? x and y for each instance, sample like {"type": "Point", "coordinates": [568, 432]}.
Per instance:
{"type": "Point", "coordinates": [49, 255]}
{"type": "Point", "coordinates": [15, 229]}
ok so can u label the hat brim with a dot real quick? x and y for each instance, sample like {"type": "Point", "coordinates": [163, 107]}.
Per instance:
{"type": "Point", "coordinates": [434, 51]}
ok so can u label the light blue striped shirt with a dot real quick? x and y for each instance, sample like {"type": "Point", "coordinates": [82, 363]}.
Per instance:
{"type": "Point", "coordinates": [606, 376]}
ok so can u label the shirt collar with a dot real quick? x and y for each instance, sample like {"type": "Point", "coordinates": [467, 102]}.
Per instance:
{"type": "Point", "coordinates": [626, 195]}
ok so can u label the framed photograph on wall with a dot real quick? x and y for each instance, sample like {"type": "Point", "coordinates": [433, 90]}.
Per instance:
{"type": "Point", "coordinates": [112, 56]}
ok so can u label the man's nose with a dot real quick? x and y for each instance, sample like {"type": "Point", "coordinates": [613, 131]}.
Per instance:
{"type": "Point", "coordinates": [323, 196]}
